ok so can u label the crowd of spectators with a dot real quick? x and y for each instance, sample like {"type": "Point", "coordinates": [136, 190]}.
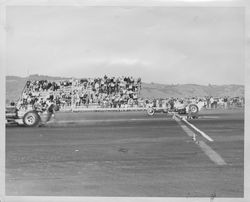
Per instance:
{"type": "Point", "coordinates": [106, 92]}
{"type": "Point", "coordinates": [207, 102]}
{"type": "Point", "coordinates": [109, 92]}
{"type": "Point", "coordinates": [43, 91]}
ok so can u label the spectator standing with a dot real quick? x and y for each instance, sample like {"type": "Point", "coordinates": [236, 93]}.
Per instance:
{"type": "Point", "coordinates": [211, 102]}
{"type": "Point", "coordinates": [225, 100]}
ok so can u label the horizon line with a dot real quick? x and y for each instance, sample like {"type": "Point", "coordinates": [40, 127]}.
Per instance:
{"type": "Point", "coordinates": [149, 82]}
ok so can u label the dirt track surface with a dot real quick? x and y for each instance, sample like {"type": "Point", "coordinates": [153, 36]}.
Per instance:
{"type": "Point", "coordinates": [126, 154]}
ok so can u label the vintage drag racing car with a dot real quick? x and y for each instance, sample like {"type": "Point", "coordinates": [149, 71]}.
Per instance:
{"type": "Point", "coordinates": [30, 116]}
{"type": "Point", "coordinates": [190, 110]}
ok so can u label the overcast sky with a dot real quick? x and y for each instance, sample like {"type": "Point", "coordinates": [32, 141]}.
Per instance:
{"type": "Point", "coordinates": [159, 44]}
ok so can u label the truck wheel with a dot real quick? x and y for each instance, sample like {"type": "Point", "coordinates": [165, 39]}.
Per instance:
{"type": "Point", "coordinates": [150, 111]}
{"type": "Point", "coordinates": [31, 119]}
{"type": "Point", "coordinates": [193, 109]}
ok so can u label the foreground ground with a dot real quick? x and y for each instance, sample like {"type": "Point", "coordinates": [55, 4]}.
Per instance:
{"type": "Point", "coordinates": [127, 154]}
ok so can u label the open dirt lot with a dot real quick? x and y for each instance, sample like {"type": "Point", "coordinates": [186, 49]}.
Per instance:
{"type": "Point", "coordinates": [128, 154]}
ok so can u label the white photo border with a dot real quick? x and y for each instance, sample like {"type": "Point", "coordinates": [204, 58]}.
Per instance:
{"type": "Point", "coordinates": [171, 3]}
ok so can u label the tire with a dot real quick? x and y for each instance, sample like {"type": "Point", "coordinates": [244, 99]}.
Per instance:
{"type": "Point", "coordinates": [56, 108]}
{"type": "Point", "coordinates": [31, 119]}
{"type": "Point", "coordinates": [193, 109]}
{"type": "Point", "coordinates": [165, 111]}
{"type": "Point", "coordinates": [150, 111]}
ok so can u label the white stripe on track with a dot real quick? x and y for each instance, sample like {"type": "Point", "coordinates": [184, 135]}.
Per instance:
{"type": "Point", "coordinates": [213, 155]}
{"type": "Point", "coordinates": [198, 130]}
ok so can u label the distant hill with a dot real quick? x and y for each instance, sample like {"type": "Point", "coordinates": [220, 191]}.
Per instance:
{"type": "Point", "coordinates": [15, 84]}
{"type": "Point", "coordinates": [190, 90]}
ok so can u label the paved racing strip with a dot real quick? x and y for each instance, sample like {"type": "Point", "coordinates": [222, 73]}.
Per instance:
{"type": "Point", "coordinates": [82, 121]}
{"type": "Point", "coordinates": [213, 156]}
{"type": "Point", "coordinates": [209, 117]}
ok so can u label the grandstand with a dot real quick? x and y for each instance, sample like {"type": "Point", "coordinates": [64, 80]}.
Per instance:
{"type": "Point", "coordinates": [90, 93]}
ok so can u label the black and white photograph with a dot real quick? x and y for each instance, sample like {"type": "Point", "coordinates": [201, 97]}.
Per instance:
{"type": "Point", "coordinates": [124, 100]}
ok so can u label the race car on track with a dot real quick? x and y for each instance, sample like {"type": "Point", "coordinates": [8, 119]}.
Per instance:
{"type": "Point", "coordinates": [191, 110]}
{"type": "Point", "coordinates": [29, 116]}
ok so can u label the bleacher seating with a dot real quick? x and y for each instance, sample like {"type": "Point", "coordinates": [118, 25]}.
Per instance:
{"type": "Point", "coordinates": [84, 93]}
